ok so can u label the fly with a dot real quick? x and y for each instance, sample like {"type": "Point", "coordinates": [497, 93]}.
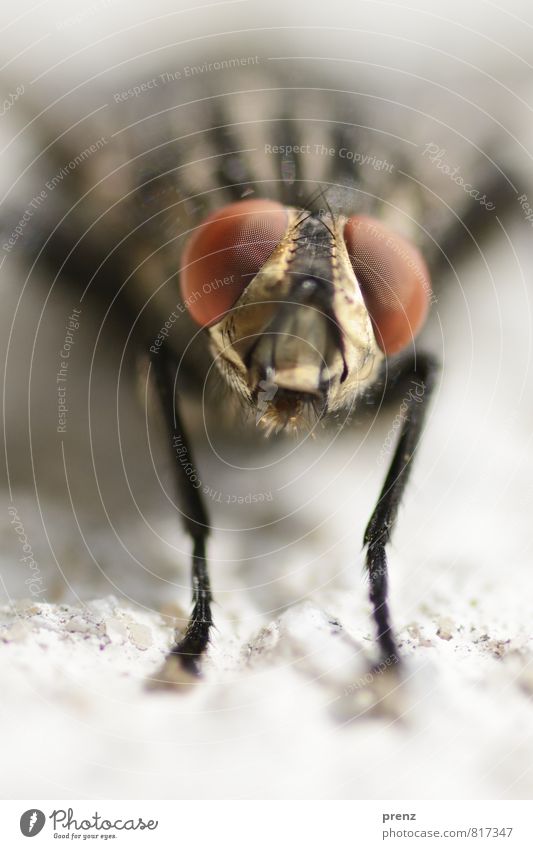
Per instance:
{"type": "Point", "coordinates": [315, 308]}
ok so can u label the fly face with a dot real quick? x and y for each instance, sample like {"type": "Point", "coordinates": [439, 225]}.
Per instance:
{"type": "Point", "coordinates": [299, 341]}
{"type": "Point", "coordinates": [286, 296]}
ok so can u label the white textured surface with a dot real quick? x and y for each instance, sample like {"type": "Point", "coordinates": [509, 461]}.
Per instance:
{"type": "Point", "coordinates": [285, 713]}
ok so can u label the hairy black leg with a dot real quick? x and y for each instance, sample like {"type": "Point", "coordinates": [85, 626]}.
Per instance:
{"type": "Point", "coordinates": [415, 376]}
{"type": "Point", "coordinates": [191, 647]}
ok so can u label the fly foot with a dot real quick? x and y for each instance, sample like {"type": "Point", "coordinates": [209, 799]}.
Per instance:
{"type": "Point", "coordinates": [179, 672]}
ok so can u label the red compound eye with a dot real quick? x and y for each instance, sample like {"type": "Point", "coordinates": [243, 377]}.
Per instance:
{"type": "Point", "coordinates": [394, 281]}
{"type": "Point", "coordinates": [226, 252]}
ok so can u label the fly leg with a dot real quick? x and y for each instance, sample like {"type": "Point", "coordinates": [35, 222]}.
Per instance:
{"type": "Point", "coordinates": [186, 654]}
{"type": "Point", "coordinates": [414, 375]}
